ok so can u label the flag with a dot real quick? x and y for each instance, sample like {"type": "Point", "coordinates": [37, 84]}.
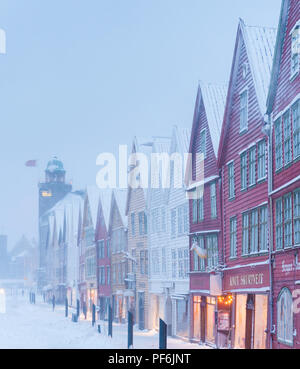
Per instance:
{"type": "Point", "coordinates": [31, 163]}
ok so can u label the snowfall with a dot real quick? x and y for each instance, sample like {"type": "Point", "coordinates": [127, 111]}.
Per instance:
{"type": "Point", "coordinates": [27, 326]}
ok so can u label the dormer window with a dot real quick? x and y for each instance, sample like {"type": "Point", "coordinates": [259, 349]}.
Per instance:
{"type": "Point", "coordinates": [245, 70]}
{"type": "Point", "coordinates": [295, 50]}
{"type": "Point", "coordinates": [244, 111]}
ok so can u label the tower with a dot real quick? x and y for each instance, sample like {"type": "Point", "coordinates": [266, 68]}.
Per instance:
{"type": "Point", "coordinates": [51, 192]}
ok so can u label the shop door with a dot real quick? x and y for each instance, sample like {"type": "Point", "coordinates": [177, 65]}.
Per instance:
{"type": "Point", "coordinates": [197, 320]}
{"type": "Point", "coordinates": [249, 322]}
{"type": "Point", "coordinates": [203, 318]}
{"type": "Point", "coordinates": [141, 298]}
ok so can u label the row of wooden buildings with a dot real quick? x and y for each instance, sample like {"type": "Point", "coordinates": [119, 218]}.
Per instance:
{"type": "Point", "coordinates": [218, 258]}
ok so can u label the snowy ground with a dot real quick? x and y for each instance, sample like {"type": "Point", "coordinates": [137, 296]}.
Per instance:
{"type": "Point", "coordinates": [27, 326]}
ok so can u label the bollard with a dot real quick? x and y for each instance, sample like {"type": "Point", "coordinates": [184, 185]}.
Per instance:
{"type": "Point", "coordinates": [66, 308]}
{"type": "Point", "coordinates": [162, 335]}
{"type": "Point", "coordinates": [93, 314]}
{"type": "Point", "coordinates": [130, 330]}
{"type": "Point", "coordinates": [110, 321]}
{"type": "Point", "coordinates": [84, 308]}
{"type": "Point", "coordinates": [99, 328]}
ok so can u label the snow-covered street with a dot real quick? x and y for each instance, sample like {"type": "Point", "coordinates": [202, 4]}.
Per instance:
{"type": "Point", "coordinates": [26, 326]}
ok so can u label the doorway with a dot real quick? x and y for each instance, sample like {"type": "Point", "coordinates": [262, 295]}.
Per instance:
{"type": "Point", "coordinates": [249, 322]}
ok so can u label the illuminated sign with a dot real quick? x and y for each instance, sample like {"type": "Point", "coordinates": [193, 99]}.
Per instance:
{"type": "Point", "coordinates": [46, 193]}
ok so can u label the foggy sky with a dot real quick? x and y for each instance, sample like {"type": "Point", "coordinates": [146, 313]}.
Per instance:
{"type": "Point", "coordinates": [81, 77]}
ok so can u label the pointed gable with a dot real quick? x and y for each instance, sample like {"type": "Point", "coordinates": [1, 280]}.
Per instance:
{"type": "Point", "coordinates": [254, 50]}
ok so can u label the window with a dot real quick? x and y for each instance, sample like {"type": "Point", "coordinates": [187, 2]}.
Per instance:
{"type": "Point", "coordinates": [244, 171]}
{"type": "Point", "coordinates": [254, 232]}
{"type": "Point", "coordinates": [297, 217]}
{"type": "Point", "coordinates": [201, 208]}
{"type": "Point", "coordinates": [174, 264]}
{"type": "Point", "coordinates": [244, 111]}
{"type": "Point", "coordinates": [279, 230]}
{"type": "Point", "coordinates": [212, 251]}
{"type": "Point", "coordinates": [163, 220]}
{"type": "Point", "coordinates": [213, 200]}
{"type": "Point", "coordinates": [186, 263]}
{"type": "Point", "coordinates": [163, 260]}
{"type": "Point", "coordinates": [296, 128]}
{"type": "Point", "coordinates": [295, 51]}
{"type": "Point", "coordinates": [252, 166]}
{"type": "Point", "coordinates": [155, 262]}
{"type": "Point", "coordinates": [202, 143]}
{"type": "Point", "coordinates": [132, 224]}
{"type": "Point", "coordinates": [198, 263]}
{"type": "Point", "coordinates": [141, 225]}
{"type": "Point", "coordinates": [108, 275]}
{"type": "Point", "coordinates": [278, 144]}
{"type": "Point", "coordinates": [180, 264]}
{"type": "Point", "coordinates": [195, 210]}
{"type": "Point", "coordinates": [231, 180]}
{"type": "Point", "coordinates": [142, 262]}
{"type": "Point", "coordinates": [245, 245]}
{"type": "Point", "coordinates": [261, 165]}
{"type": "Point", "coordinates": [101, 249]}
{"type": "Point", "coordinates": [287, 138]}
{"type": "Point", "coordinates": [233, 231]}
{"type": "Point", "coordinates": [263, 229]}
{"type": "Point", "coordinates": [102, 275]}
{"type": "Point", "coordinates": [285, 317]}
{"type": "Point", "coordinates": [288, 220]}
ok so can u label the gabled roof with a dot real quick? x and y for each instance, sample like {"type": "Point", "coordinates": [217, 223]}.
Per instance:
{"type": "Point", "coordinates": [259, 43]}
{"type": "Point", "coordinates": [120, 195]}
{"type": "Point", "coordinates": [105, 201]}
{"type": "Point", "coordinates": [278, 53]}
{"type": "Point", "coordinates": [93, 196]}
{"type": "Point", "coordinates": [260, 46]}
{"type": "Point", "coordinates": [214, 98]}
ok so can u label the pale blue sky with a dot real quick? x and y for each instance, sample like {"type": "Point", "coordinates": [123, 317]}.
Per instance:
{"type": "Point", "coordinates": [82, 76]}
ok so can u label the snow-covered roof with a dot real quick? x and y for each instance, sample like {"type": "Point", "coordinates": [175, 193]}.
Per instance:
{"type": "Point", "coordinates": [93, 195]}
{"type": "Point", "coordinates": [214, 99]}
{"type": "Point", "coordinates": [260, 45]}
{"type": "Point", "coordinates": [105, 200]}
{"type": "Point", "coordinates": [121, 198]}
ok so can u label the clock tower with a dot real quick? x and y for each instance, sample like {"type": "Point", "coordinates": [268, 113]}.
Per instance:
{"type": "Point", "coordinates": [51, 192]}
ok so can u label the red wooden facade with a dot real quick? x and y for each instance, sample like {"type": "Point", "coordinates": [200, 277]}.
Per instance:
{"type": "Point", "coordinates": [205, 211]}
{"type": "Point", "coordinates": [284, 118]}
{"type": "Point", "coordinates": [242, 160]}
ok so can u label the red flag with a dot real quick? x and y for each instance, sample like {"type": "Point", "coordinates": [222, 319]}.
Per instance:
{"type": "Point", "coordinates": [30, 163]}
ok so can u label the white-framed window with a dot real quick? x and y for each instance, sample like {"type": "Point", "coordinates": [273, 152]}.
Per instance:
{"type": "Point", "coordinates": [233, 237]}
{"type": "Point", "coordinates": [263, 228]}
{"type": "Point", "coordinates": [285, 317]}
{"type": "Point", "coordinates": [288, 220]}
{"type": "Point", "coordinates": [163, 219]}
{"type": "Point", "coordinates": [102, 275]}
{"type": "Point", "coordinates": [244, 111]}
{"type": "Point", "coordinates": [244, 170]}
{"type": "Point", "coordinates": [202, 143]}
{"type": "Point", "coordinates": [198, 263]}
{"type": "Point", "coordinates": [108, 275]}
{"type": "Point", "coordinates": [186, 262]}
{"type": "Point", "coordinates": [279, 227]}
{"type": "Point", "coordinates": [101, 249]}
{"type": "Point", "coordinates": [231, 186]}
{"type": "Point", "coordinates": [295, 51]}
{"type": "Point", "coordinates": [212, 251]}
{"type": "Point", "coordinates": [254, 232]}
{"type": "Point", "coordinates": [186, 218]}
{"type": "Point", "coordinates": [297, 217]}
{"type": "Point", "coordinates": [180, 264]}
{"type": "Point", "coordinates": [287, 138]}
{"type": "Point", "coordinates": [252, 166]}
{"type": "Point", "coordinates": [245, 242]}
{"type": "Point", "coordinates": [155, 262]}
{"type": "Point", "coordinates": [278, 144]}
{"type": "Point", "coordinates": [201, 208]}
{"type": "Point", "coordinates": [296, 128]}
{"type": "Point", "coordinates": [163, 260]}
{"type": "Point", "coordinates": [213, 200]}
{"type": "Point", "coordinates": [174, 264]}
{"type": "Point", "coordinates": [261, 160]}
{"type": "Point", "coordinates": [180, 220]}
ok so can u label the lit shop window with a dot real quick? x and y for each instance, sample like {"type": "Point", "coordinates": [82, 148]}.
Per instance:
{"type": "Point", "coordinates": [285, 317]}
